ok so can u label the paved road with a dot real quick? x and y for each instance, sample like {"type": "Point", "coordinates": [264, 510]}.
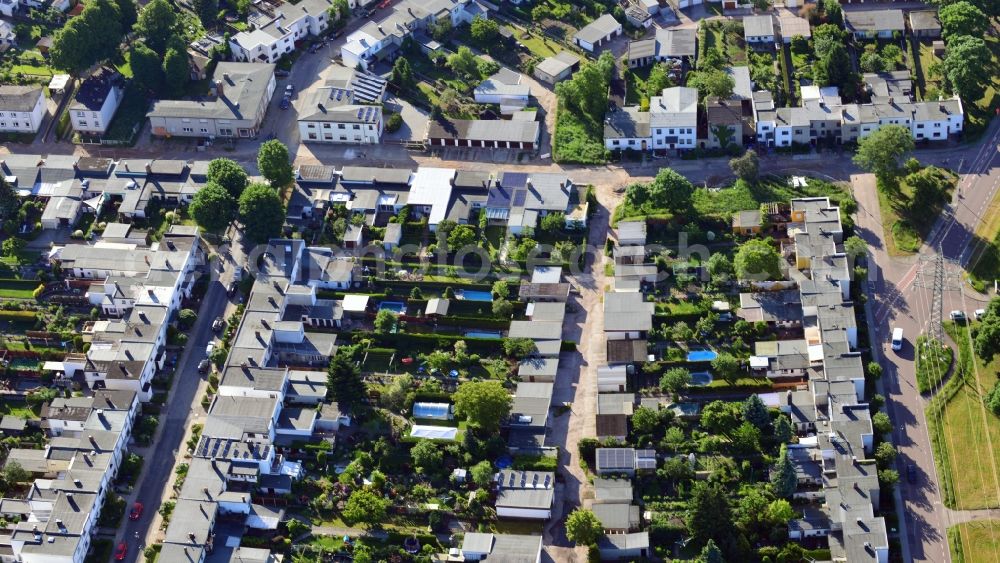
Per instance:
{"type": "Point", "coordinates": [168, 446]}
{"type": "Point", "coordinates": [901, 300]}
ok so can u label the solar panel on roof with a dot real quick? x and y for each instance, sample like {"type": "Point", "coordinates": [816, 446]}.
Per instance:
{"type": "Point", "coordinates": [520, 196]}
{"type": "Point", "coordinates": [514, 179]}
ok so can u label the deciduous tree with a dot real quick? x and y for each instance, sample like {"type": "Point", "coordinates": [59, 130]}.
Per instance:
{"type": "Point", "coordinates": [365, 506]}
{"type": "Point", "coordinates": [968, 64]}
{"type": "Point", "coordinates": [228, 174]}
{"type": "Point", "coordinates": [746, 167]}
{"type": "Point", "coordinates": [212, 207]}
{"type": "Point", "coordinates": [274, 163]}
{"type": "Point", "coordinates": [484, 403]}
{"type": "Point", "coordinates": [261, 212]}
{"type": "Point", "coordinates": [675, 380]}
{"type": "Point", "coordinates": [147, 69]}
{"type": "Point", "coordinates": [757, 259]}
{"type": "Point", "coordinates": [962, 18]}
{"type": "Point", "coordinates": [157, 22]}
{"type": "Point", "coordinates": [883, 152]}
{"type": "Point", "coordinates": [583, 527]}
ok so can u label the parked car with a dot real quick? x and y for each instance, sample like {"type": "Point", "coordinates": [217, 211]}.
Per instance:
{"type": "Point", "coordinates": [231, 288]}
{"type": "Point", "coordinates": [210, 348]}
{"type": "Point", "coordinates": [217, 324]}
{"type": "Point", "coordinates": [979, 314]}
{"type": "Point", "coordinates": [289, 90]}
{"type": "Point", "coordinates": [285, 103]}
{"type": "Point", "coordinates": [136, 512]}
{"type": "Point", "coordinates": [281, 73]}
{"type": "Point", "coordinates": [121, 552]}
{"type": "Point", "coordinates": [204, 365]}
{"type": "Point", "coordinates": [957, 315]}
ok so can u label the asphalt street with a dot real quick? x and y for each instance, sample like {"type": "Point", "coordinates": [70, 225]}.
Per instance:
{"type": "Point", "coordinates": [168, 446]}
{"type": "Point", "coordinates": [901, 296]}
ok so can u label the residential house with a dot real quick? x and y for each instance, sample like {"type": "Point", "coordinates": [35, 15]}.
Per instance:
{"type": "Point", "coordinates": [597, 33]}
{"type": "Point", "coordinates": [275, 29]}
{"type": "Point", "coordinates": [638, 17]}
{"type": "Point", "coordinates": [557, 67]}
{"type": "Point", "coordinates": [628, 129]}
{"type": "Point", "coordinates": [870, 24]}
{"type": "Point", "coordinates": [330, 115]}
{"type": "Point", "coordinates": [242, 92]}
{"type": "Point", "coordinates": [8, 7]}
{"type": "Point", "coordinates": [96, 101]}
{"type": "Point", "coordinates": [924, 24]}
{"type": "Point", "coordinates": [758, 31]}
{"type": "Point", "coordinates": [504, 89]}
{"type": "Point", "coordinates": [727, 126]}
{"type": "Point", "coordinates": [747, 222]}
{"type": "Point", "coordinates": [22, 108]}
{"type": "Point", "coordinates": [793, 26]}
{"type": "Point", "coordinates": [8, 38]}
{"type": "Point", "coordinates": [673, 118]}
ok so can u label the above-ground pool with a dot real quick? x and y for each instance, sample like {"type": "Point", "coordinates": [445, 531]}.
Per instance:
{"type": "Point", "coordinates": [397, 307]}
{"type": "Point", "coordinates": [495, 335]}
{"type": "Point", "coordinates": [436, 411]}
{"type": "Point", "coordinates": [700, 378]}
{"type": "Point", "coordinates": [468, 295]}
{"type": "Point", "coordinates": [702, 355]}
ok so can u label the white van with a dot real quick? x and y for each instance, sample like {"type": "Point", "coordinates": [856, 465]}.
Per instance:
{"type": "Point", "coordinates": [897, 339]}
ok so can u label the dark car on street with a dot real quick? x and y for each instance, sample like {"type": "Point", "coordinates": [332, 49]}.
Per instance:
{"type": "Point", "coordinates": [911, 473]}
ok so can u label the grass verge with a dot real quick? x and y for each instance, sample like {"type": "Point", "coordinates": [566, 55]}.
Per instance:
{"type": "Point", "coordinates": [974, 541]}
{"type": "Point", "coordinates": [933, 362]}
{"type": "Point", "coordinates": [960, 427]}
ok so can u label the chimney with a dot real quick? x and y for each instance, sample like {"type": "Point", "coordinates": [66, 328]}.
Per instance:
{"type": "Point", "coordinates": [149, 168]}
{"type": "Point", "coordinates": [220, 90]}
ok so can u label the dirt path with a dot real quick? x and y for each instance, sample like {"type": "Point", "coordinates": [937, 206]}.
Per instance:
{"type": "Point", "coordinates": [576, 383]}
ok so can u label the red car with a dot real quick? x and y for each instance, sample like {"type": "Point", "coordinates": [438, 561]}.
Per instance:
{"type": "Point", "coordinates": [121, 552]}
{"type": "Point", "coordinates": [136, 511]}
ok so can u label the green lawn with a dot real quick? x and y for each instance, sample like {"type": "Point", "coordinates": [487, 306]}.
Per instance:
{"type": "Point", "coordinates": [742, 196]}
{"type": "Point", "coordinates": [906, 229]}
{"type": "Point", "coordinates": [961, 429]}
{"type": "Point", "coordinates": [974, 541]}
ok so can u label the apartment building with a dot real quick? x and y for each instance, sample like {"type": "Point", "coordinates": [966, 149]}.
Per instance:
{"type": "Point", "coordinates": [823, 116]}
{"type": "Point", "coordinates": [21, 108]}
{"type": "Point", "coordinates": [239, 101]}
{"type": "Point", "coordinates": [275, 29]}
{"type": "Point", "coordinates": [381, 40]}
{"type": "Point", "coordinates": [96, 101]}
{"type": "Point", "coordinates": [670, 124]}
{"type": "Point", "coordinates": [329, 114]}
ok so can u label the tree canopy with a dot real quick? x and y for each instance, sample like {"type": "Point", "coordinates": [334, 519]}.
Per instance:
{"type": "Point", "coordinates": [365, 506]}
{"type": "Point", "coordinates": [10, 203]}
{"type": "Point", "coordinates": [746, 167]}
{"type": "Point", "coordinates": [157, 22]}
{"type": "Point", "coordinates": [228, 174]}
{"type": "Point", "coordinates": [274, 163]}
{"type": "Point", "coordinates": [755, 412]}
{"type": "Point", "coordinates": [261, 212]}
{"type": "Point", "coordinates": [962, 18]}
{"type": "Point", "coordinates": [463, 62]}
{"type": "Point", "coordinates": [668, 191]}
{"type": "Point", "coordinates": [147, 69]}
{"type": "Point", "coordinates": [583, 527]}
{"type": "Point", "coordinates": [714, 82]}
{"type": "Point", "coordinates": [89, 38]}
{"type": "Point", "coordinates": [484, 403]}
{"type": "Point", "coordinates": [757, 259]}
{"type": "Point", "coordinates": [883, 152]}
{"type": "Point", "coordinates": [344, 380]}
{"type": "Point", "coordinates": [484, 31]}
{"type": "Point", "coordinates": [212, 207]}
{"type": "Point", "coordinates": [176, 71]}
{"type": "Point", "coordinates": [675, 380]}
{"type": "Point", "coordinates": [783, 478]}
{"type": "Point", "coordinates": [709, 517]}
{"type": "Point", "coordinates": [207, 11]}
{"type": "Point", "coordinates": [968, 65]}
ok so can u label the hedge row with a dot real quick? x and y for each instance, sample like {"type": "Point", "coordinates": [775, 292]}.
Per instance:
{"type": "Point", "coordinates": [8, 283]}
{"type": "Point", "coordinates": [18, 316]}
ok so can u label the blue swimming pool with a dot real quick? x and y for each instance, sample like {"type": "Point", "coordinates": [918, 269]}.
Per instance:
{"type": "Point", "coordinates": [475, 295]}
{"type": "Point", "coordinates": [700, 378]}
{"type": "Point", "coordinates": [397, 307]}
{"type": "Point", "coordinates": [702, 355]}
{"type": "Point", "coordinates": [495, 335]}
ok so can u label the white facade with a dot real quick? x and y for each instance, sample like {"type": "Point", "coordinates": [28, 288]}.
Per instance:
{"type": "Point", "coordinates": [673, 118]}
{"type": "Point", "coordinates": [17, 120]}
{"type": "Point", "coordinates": [342, 132]}
{"type": "Point", "coordinates": [97, 120]}
{"type": "Point", "coordinates": [271, 41]}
